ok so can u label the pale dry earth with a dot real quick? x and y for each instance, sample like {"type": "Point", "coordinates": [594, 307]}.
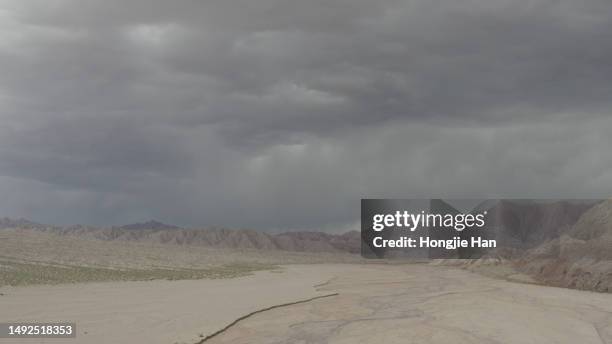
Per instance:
{"type": "Point", "coordinates": [403, 303]}
{"type": "Point", "coordinates": [153, 312]}
{"type": "Point", "coordinates": [427, 304]}
{"type": "Point", "coordinates": [376, 303]}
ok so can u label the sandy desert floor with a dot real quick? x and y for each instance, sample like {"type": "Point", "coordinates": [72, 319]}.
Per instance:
{"type": "Point", "coordinates": [424, 304]}
{"type": "Point", "coordinates": [156, 311]}
{"type": "Point", "coordinates": [375, 304]}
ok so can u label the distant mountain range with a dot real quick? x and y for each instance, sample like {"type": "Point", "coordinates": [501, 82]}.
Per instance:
{"type": "Point", "coordinates": [517, 224]}
{"type": "Point", "coordinates": [154, 225]}
{"type": "Point", "coordinates": [158, 232]}
{"type": "Point", "coordinates": [561, 243]}
{"type": "Point", "coordinates": [6, 222]}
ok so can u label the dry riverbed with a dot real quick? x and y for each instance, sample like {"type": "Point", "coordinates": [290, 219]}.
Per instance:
{"type": "Point", "coordinates": [427, 304]}
{"type": "Point", "coordinates": [374, 304]}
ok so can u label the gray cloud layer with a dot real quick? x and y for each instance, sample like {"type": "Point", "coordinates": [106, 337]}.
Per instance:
{"type": "Point", "coordinates": [283, 114]}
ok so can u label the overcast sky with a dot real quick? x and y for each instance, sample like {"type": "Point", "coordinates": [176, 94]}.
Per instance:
{"type": "Point", "coordinates": [282, 114]}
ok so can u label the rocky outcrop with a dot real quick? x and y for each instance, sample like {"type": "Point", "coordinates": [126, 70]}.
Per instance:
{"type": "Point", "coordinates": [581, 258]}
{"type": "Point", "coordinates": [526, 225]}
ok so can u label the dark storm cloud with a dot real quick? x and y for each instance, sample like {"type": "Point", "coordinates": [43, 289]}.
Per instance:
{"type": "Point", "coordinates": [282, 114]}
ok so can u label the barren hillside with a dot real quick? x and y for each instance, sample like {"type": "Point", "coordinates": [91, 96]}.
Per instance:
{"type": "Point", "coordinates": [160, 233]}
{"type": "Point", "coordinates": [582, 258]}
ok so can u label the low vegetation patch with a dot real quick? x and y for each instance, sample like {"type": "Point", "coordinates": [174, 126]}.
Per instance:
{"type": "Point", "coordinates": [27, 273]}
